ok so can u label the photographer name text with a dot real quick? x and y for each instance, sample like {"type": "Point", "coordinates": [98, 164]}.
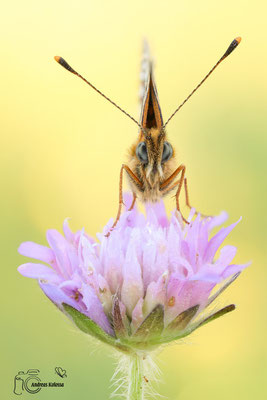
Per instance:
{"type": "Point", "coordinates": [47, 384]}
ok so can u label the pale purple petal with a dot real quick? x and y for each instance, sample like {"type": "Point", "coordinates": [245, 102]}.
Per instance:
{"type": "Point", "coordinates": [233, 269]}
{"type": "Point", "coordinates": [58, 243]}
{"type": "Point", "coordinates": [132, 287]}
{"type": "Point", "coordinates": [207, 274]}
{"type": "Point", "coordinates": [158, 211]}
{"type": "Point", "coordinates": [162, 257]}
{"type": "Point", "coordinates": [151, 216]}
{"type": "Point", "coordinates": [69, 235]}
{"type": "Point", "coordinates": [216, 242]}
{"type": "Point", "coordinates": [203, 238]}
{"type": "Point", "coordinates": [37, 251]}
{"type": "Point", "coordinates": [104, 294]}
{"type": "Point", "coordinates": [226, 256]}
{"type": "Point", "coordinates": [73, 258]}
{"type": "Point", "coordinates": [149, 259]}
{"type": "Point", "coordinates": [174, 247]}
{"type": "Point", "coordinates": [57, 296]}
{"type": "Point", "coordinates": [183, 268]}
{"type": "Point", "coordinates": [217, 220]}
{"type": "Point", "coordinates": [156, 294]}
{"type": "Point", "coordinates": [127, 200]}
{"type": "Point", "coordinates": [94, 309]}
{"type": "Point", "coordinates": [131, 217]}
{"type": "Point", "coordinates": [188, 294]}
{"type": "Point", "coordinates": [192, 239]}
{"type": "Point", "coordinates": [191, 214]}
{"type": "Point", "coordinates": [71, 285]}
{"type": "Point", "coordinates": [112, 261]}
{"type": "Point", "coordinates": [137, 315]}
{"type": "Point", "coordinates": [39, 271]}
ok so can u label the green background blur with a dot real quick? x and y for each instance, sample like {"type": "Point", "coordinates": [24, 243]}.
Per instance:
{"type": "Point", "coordinates": [61, 152]}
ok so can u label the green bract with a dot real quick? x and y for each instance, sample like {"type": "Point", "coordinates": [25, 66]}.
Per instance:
{"type": "Point", "coordinates": [150, 334]}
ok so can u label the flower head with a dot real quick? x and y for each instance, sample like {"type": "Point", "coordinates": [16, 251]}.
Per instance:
{"type": "Point", "coordinates": [146, 284]}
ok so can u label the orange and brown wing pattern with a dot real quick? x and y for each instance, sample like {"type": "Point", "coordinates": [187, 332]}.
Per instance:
{"type": "Point", "coordinates": [151, 116]}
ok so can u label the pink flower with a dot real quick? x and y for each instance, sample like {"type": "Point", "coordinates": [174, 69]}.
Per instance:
{"type": "Point", "coordinates": [146, 284]}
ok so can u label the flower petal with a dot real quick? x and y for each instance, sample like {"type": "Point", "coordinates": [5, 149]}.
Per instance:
{"type": "Point", "coordinates": [216, 242]}
{"type": "Point", "coordinates": [94, 309]}
{"type": "Point", "coordinates": [156, 293]}
{"type": "Point", "coordinates": [69, 235]}
{"type": "Point", "coordinates": [39, 271]}
{"type": "Point", "coordinates": [233, 269]}
{"type": "Point", "coordinates": [227, 254]}
{"type": "Point", "coordinates": [132, 287]}
{"type": "Point", "coordinates": [156, 213]}
{"type": "Point", "coordinates": [59, 245]}
{"type": "Point", "coordinates": [57, 296]}
{"type": "Point", "coordinates": [182, 295]}
{"type": "Point", "coordinates": [137, 315]}
{"type": "Point", "coordinates": [37, 251]}
{"type": "Point", "coordinates": [218, 220]}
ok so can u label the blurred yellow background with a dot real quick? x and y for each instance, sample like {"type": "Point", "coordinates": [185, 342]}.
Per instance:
{"type": "Point", "coordinates": [62, 148]}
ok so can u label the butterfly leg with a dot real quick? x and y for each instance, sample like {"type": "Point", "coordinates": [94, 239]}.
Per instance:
{"type": "Point", "coordinates": [186, 193]}
{"type": "Point", "coordinates": [180, 184]}
{"type": "Point", "coordinates": [169, 188]}
{"type": "Point", "coordinates": [137, 181]}
{"type": "Point", "coordinates": [133, 202]}
{"type": "Point", "coordinates": [187, 199]}
{"type": "Point", "coordinates": [166, 188]}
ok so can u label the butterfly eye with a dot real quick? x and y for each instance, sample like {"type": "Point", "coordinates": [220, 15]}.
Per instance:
{"type": "Point", "coordinates": [167, 152]}
{"type": "Point", "coordinates": [141, 152]}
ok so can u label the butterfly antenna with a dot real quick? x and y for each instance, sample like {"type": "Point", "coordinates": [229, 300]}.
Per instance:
{"type": "Point", "coordinates": [64, 64]}
{"type": "Point", "coordinates": [231, 48]}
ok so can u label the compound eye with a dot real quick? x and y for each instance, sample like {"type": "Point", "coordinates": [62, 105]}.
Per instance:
{"type": "Point", "coordinates": [167, 152]}
{"type": "Point", "coordinates": [141, 152]}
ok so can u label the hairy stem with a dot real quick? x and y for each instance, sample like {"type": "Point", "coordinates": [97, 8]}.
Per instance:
{"type": "Point", "coordinates": [136, 378]}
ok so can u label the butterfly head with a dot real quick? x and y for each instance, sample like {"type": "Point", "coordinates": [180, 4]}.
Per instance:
{"type": "Point", "coordinates": [152, 153]}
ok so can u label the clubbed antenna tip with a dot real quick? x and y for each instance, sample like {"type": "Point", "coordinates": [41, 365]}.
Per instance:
{"type": "Point", "coordinates": [232, 46]}
{"type": "Point", "coordinates": [64, 63]}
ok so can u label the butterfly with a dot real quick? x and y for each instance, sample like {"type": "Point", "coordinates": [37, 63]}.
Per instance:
{"type": "Point", "coordinates": [152, 170]}
{"type": "Point", "coordinates": [61, 372]}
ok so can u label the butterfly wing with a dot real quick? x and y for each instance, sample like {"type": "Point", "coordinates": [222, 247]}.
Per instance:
{"type": "Point", "coordinates": [151, 116]}
{"type": "Point", "coordinates": [144, 71]}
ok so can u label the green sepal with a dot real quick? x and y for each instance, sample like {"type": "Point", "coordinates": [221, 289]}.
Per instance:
{"type": "Point", "coordinates": [182, 320]}
{"type": "Point", "coordinates": [87, 325]}
{"type": "Point", "coordinates": [222, 288]}
{"type": "Point", "coordinates": [192, 327]}
{"type": "Point", "coordinates": [151, 328]}
{"type": "Point", "coordinates": [121, 325]}
{"type": "Point", "coordinates": [217, 314]}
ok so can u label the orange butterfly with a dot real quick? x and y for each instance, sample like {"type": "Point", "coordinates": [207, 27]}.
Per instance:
{"type": "Point", "coordinates": [151, 169]}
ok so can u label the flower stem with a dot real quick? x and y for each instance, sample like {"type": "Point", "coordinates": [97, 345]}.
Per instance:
{"type": "Point", "coordinates": [136, 379]}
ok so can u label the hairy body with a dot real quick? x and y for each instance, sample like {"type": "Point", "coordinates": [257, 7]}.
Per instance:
{"type": "Point", "coordinates": [153, 174]}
